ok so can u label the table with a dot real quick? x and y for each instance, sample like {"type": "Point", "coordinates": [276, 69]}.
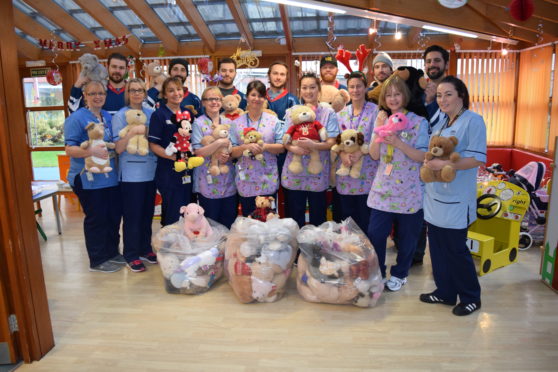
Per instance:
{"type": "Point", "coordinates": [49, 190]}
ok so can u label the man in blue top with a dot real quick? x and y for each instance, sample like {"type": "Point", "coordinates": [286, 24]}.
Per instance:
{"type": "Point", "coordinates": [278, 97]}
{"type": "Point", "coordinates": [436, 60]}
{"type": "Point", "coordinates": [117, 66]}
{"type": "Point", "coordinates": [227, 70]}
{"type": "Point", "coordinates": [328, 72]}
{"type": "Point", "coordinates": [177, 67]}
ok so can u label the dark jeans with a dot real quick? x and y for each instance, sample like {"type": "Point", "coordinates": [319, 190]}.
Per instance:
{"type": "Point", "coordinates": [138, 202]}
{"type": "Point", "coordinates": [355, 206]}
{"type": "Point", "coordinates": [222, 210]}
{"type": "Point", "coordinates": [316, 203]}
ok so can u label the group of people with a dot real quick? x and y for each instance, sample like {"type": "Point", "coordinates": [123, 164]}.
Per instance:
{"type": "Point", "coordinates": [387, 192]}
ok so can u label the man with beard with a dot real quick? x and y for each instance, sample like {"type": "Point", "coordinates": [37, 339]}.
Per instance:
{"type": "Point", "coordinates": [278, 98]}
{"type": "Point", "coordinates": [227, 70]}
{"type": "Point", "coordinates": [436, 61]}
{"type": "Point", "coordinates": [382, 65]}
{"type": "Point", "coordinates": [177, 67]}
{"type": "Point", "coordinates": [117, 65]}
{"type": "Point", "coordinates": [328, 72]}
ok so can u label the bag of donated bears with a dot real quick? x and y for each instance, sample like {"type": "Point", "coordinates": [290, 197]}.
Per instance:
{"type": "Point", "coordinates": [338, 265]}
{"type": "Point", "coordinates": [190, 252]}
{"type": "Point", "coordinates": [259, 257]}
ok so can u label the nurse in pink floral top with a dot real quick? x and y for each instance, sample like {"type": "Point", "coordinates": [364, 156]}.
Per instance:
{"type": "Point", "coordinates": [396, 193]}
{"type": "Point", "coordinates": [305, 187]}
{"type": "Point", "coordinates": [256, 177]}
{"type": "Point", "coordinates": [360, 116]}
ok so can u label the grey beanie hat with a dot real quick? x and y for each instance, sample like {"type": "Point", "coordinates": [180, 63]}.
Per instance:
{"type": "Point", "coordinates": [383, 57]}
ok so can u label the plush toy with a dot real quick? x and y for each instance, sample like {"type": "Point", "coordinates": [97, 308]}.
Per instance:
{"type": "Point", "coordinates": [396, 123]}
{"type": "Point", "coordinates": [92, 69]}
{"type": "Point", "coordinates": [96, 133]}
{"type": "Point", "coordinates": [333, 97]}
{"type": "Point", "coordinates": [195, 223]}
{"type": "Point", "coordinates": [440, 148]}
{"type": "Point", "coordinates": [263, 211]}
{"type": "Point", "coordinates": [374, 93]}
{"type": "Point", "coordinates": [349, 141]}
{"type": "Point", "coordinates": [138, 143]}
{"type": "Point", "coordinates": [180, 143]}
{"type": "Point", "coordinates": [155, 72]}
{"type": "Point", "coordinates": [251, 135]}
{"type": "Point", "coordinates": [304, 125]}
{"type": "Point", "coordinates": [230, 105]}
{"type": "Point", "coordinates": [219, 131]}
{"type": "Point", "coordinates": [416, 82]}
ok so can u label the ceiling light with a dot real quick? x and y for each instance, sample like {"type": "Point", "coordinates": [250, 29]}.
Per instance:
{"type": "Point", "coordinates": [397, 33]}
{"type": "Point", "coordinates": [450, 31]}
{"type": "Point", "coordinates": [309, 5]}
{"type": "Point", "coordinates": [372, 31]}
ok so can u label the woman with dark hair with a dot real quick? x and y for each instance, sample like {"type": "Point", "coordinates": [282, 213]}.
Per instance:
{"type": "Point", "coordinates": [256, 177]}
{"type": "Point", "coordinates": [449, 208]}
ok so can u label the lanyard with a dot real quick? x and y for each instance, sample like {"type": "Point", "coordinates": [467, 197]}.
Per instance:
{"type": "Point", "coordinates": [449, 123]}
{"type": "Point", "coordinates": [351, 126]}
{"type": "Point", "coordinates": [248, 121]}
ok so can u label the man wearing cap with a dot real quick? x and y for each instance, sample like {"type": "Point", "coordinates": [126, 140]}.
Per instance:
{"type": "Point", "coordinates": [227, 71]}
{"type": "Point", "coordinates": [177, 67]}
{"type": "Point", "coordinates": [382, 66]}
{"type": "Point", "coordinates": [328, 72]}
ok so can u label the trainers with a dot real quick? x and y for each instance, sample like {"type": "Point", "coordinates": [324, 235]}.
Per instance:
{"type": "Point", "coordinates": [394, 283]}
{"type": "Point", "coordinates": [466, 309]}
{"type": "Point", "coordinates": [431, 298]}
{"type": "Point", "coordinates": [118, 259]}
{"type": "Point", "coordinates": [106, 267]}
{"type": "Point", "coordinates": [136, 266]}
{"type": "Point", "coordinates": [150, 257]}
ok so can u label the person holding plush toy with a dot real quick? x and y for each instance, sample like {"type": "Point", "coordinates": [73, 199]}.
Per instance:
{"type": "Point", "coordinates": [450, 207]}
{"type": "Point", "coordinates": [216, 194]}
{"type": "Point", "coordinates": [304, 186]}
{"type": "Point", "coordinates": [136, 175]}
{"type": "Point", "coordinates": [359, 116]}
{"type": "Point", "coordinates": [396, 193]}
{"type": "Point", "coordinates": [98, 193]}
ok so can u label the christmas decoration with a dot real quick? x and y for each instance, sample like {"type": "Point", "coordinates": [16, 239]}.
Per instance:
{"type": "Point", "coordinates": [452, 4]}
{"type": "Point", "coordinates": [205, 65]}
{"type": "Point", "coordinates": [522, 10]}
{"type": "Point", "coordinates": [54, 77]}
{"type": "Point", "coordinates": [76, 45]}
{"type": "Point", "coordinates": [246, 58]}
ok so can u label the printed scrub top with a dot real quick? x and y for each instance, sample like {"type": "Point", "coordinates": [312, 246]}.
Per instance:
{"type": "Point", "coordinates": [212, 187]}
{"type": "Point", "coordinates": [401, 190]}
{"type": "Point", "coordinates": [363, 123]}
{"type": "Point", "coordinates": [305, 181]}
{"type": "Point", "coordinates": [254, 177]}
{"type": "Point", "coordinates": [453, 205]}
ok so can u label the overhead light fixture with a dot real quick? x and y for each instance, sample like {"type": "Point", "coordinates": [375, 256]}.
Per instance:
{"type": "Point", "coordinates": [372, 30]}
{"type": "Point", "coordinates": [397, 33]}
{"type": "Point", "coordinates": [450, 31]}
{"type": "Point", "coordinates": [308, 5]}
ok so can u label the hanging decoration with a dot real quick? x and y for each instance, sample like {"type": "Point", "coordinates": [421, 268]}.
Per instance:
{"type": "Point", "coordinates": [377, 42]}
{"type": "Point", "coordinates": [452, 4]}
{"type": "Point", "coordinates": [540, 33]}
{"type": "Point", "coordinates": [423, 41]}
{"type": "Point", "coordinates": [161, 52]}
{"type": "Point", "coordinates": [330, 32]}
{"type": "Point", "coordinates": [75, 46]}
{"type": "Point", "coordinates": [522, 10]}
{"type": "Point", "coordinates": [245, 57]}
{"type": "Point", "coordinates": [205, 66]}
{"type": "Point", "coordinates": [54, 77]}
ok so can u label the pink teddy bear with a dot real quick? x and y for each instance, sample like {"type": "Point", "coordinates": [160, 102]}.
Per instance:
{"type": "Point", "coordinates": [195, 223]}
{"type": "Point", "coordinates": [396, 122]}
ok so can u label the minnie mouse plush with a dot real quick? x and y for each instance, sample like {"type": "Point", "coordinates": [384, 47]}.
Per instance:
{"type": "Point", "coordinates": [180, 143]}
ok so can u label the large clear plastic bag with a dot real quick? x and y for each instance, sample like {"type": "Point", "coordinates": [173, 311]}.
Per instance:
{"type": "Point", "coordinates": [338, 265]}
{"type": "Point", "coordinates": [259, 258]}
{"type": "Point", "coordinates": [190, 266]}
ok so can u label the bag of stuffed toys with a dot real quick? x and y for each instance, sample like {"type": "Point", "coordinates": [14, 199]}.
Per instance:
{"type": "Point", "coordinates": [191, 252]}
{"type": "Point", "coordinates": [259, 257]}
{"type": "Point", "coordinates": [338, 265]}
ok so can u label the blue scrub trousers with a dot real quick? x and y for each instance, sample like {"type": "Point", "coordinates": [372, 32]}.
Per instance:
{"type": "Point", "coordinates": [173, 197]}
{"type": "Point", "coordinates": [138, 203]}
{"type": "Point", "coordinates": [316, 203]}
{"type": "Point", "coordinates": [355, 206]}
{"type": "Point", "coordinates": [222, 210]}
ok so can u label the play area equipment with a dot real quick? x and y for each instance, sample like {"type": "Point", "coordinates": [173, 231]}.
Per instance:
{"type": "Point", "coordinates": [494, 236]}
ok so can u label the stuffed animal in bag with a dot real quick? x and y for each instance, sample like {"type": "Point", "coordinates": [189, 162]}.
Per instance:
{"type": "Point", "coordinates": [96, 134]}
{"type": "Point", "coordinates": [349, 141]}
{"type": "Point", "coordinates": [156, 75]}
{"type": "Point", "coordinates": [180, 143]}
{"type": "Point", "coordinates": [219, 131]}
{"type": "Point", "coordinates": [263, 211]}
{"type": "Point", "coordinates": [251, 135]}
{"type": "Point", "coordinates": [230, 105]}
{"type": "Point", "coordinates": [440, 148]}
{"type": "Point", "coordinates": [396, 123]}
{"type": "Point", "coordinates": [92, 69]}
{"type": "Point", "coordinates": [138, 143]}
{"type": "Point", "coordinates": [304, 125]}
{"type": "Point", "coordinates": [195, 223]}
{"type": "Point", "coordinates": [333, 98]}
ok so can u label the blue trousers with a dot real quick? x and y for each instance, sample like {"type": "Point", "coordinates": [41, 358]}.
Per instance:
{"type": "Point", "coordinates": [452, 265]}
{"type": "Point", "coordinates": [316, 202]}
{"type": "Point", "coordinates": [222, 210]}
{"type": "Point", "coordinates": [101, 225]}
{"type": "Point", "coordinates": [173, 197]}
{"type": "Point", "coordinates": [407, 235]}
{"type": "Point", "coordinates": [248, 204]}
{"type": "Point", "coordinates": [355, 206]}
{"type": "Point", "coordinates": [138, 201]}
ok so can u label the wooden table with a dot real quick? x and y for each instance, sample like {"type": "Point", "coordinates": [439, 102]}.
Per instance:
{"type": "Point", "coordinates": [49, 190]}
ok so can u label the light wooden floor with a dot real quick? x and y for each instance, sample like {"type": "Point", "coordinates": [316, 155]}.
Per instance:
{"type": "Point", "coordinates": [126, 321]}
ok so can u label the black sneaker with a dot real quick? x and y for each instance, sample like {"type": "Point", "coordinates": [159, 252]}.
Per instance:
{"type": "Point", "coordinates": [136, 266]}
{"type": "Point", "coordinates": [150, 257]}
{"type": "Point", "coordinates": [431, 298]}
{"type": "Point", "coordinates": [118, 259]}
{"type": "Point", "coordinates": [466, 309]}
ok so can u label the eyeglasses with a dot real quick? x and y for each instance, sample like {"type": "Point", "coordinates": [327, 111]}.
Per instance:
{"type": "Point", "coordinates": [212, 99]}
{"type": "Point", "coordinates": [99, 94]}
{"type": "Point", "coordinates": [135, 91]}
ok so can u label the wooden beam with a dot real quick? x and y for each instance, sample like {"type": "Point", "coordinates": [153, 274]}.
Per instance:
{"type": "Point", "coordinates": [286, 27]}
{"type": "Point", "coordinates": [543, 9]}
{"type": "Point", "coordinates": [28, 49]}
{"type": "Point", "coordinates": [241, 21]}
{"type": "Point", "coordinates": [152, 20]}
{"type": "Point", "coordinates": [105, 18]}
{"type": "Point", "coordinates": [191, 12]}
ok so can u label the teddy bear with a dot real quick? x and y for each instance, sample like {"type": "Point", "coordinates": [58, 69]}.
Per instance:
{"type": "Point", "coordinates": [349, 141]}
{"type": "Point", "coordinates": [218, 131]}
{"type": "Point", "coordinates": [230, 105]}
{"type": "Point", "coordinates": [304, 125]}
{"type": "Point", "coordinates": [138, 143]}
{"type": "Point", "coordinates": [396, 123]}
{"type": "Point", "coordinates": [251, 135]}
{"type": "Point", "coordinates": [96, 133]}
{"type": "Point", "coordinates": [92, 69]}
{"type": "Point", "coordinates": [416, 82]}
{"type": "Point", "coordinates": [333, 97]}
{"type": "Point", "coordinates": [263, 211]}
{"type": "Point", "coordinates": [155, 72]}
{"type": "Point", "coordinates": [195, 223]}
{"type": "Point", "coordinates": [180, 143]}
{"type": "Point", "coordinates": [440, 148]}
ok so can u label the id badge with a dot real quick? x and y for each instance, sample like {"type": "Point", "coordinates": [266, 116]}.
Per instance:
{"type": "Point", "coordinates": [209, 179]}
{"type": "Point", "coordinates": [242, 176]}
{"type": "Point", "coordinates": [388, 170]}
{"type": "Point", "coordinates": [186, 179]}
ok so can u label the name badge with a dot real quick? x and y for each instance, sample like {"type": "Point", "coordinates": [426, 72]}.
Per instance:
{"type": "Point", "coordinates": [242, 176]}
{"type": "Point", "coordinates": [209, 178]}
{"type": "Point", "coordinates": [388, 170]}
{"type": "Point", "coordinates": [186, 179]}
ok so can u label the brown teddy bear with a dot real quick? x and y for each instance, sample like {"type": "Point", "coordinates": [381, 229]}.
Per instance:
{"type": "Point", "coordinates": [251, 135]}
{"type": "Point", "coordinates": [219, 131]}
{"type": "Point", "coordinates": [156, 75]}
{"type": "Point", "coordinates": [230, 105]}
{"type": "Point", "coordinates": [349, 141]}
{"type": "Point", "coordinates": [304, 125]}
{"type": "Point", "coordinates": [263, 211]}
{"type": "Point", "coordinates": [333, 97]}
{"type": "Point", "coordinates": [96, 133]}
{"type": "Point", "coordinates": [440, 148]}
{"type": "Point", "coordinates": [138, 143]}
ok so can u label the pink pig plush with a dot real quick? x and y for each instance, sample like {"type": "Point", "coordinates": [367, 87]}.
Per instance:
{"type": "Point", "coordinates": [396, 123]}
{"type": "Point", "coordinates": [195, 223]}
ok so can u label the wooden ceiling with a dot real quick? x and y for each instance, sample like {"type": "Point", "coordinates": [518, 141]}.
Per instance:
{"type": "Point", "coordinates": [490, 17]}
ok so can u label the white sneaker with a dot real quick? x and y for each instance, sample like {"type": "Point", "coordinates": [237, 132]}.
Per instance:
{"type": "Point", "coordinates": [394, 283]}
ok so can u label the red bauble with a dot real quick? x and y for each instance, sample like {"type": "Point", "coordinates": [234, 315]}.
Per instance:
{"type": "Point", "coordinates": [522, 10]}
{"type": "Point", "coordinates": [205, 65]}
{"type": "Point", "coordinates": [53, 77]}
